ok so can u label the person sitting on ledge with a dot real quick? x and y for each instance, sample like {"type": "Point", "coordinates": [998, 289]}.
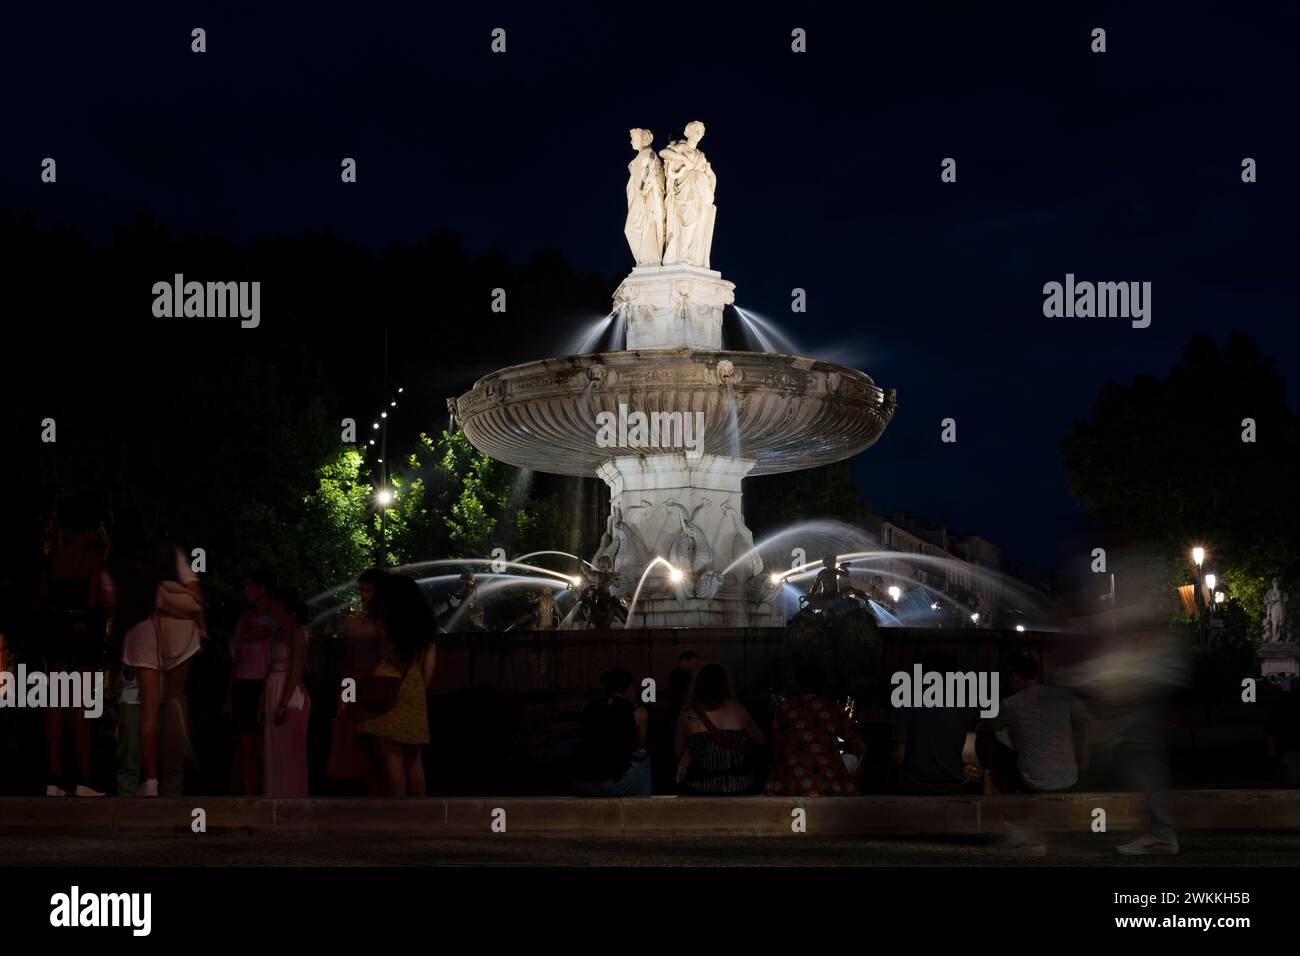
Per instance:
{"type": "Point", "coordinates": [811, 736]}
{"type": "Point", "coordinates": [610, 759]}
{"type": "Point", "coordinates": [719, 747]}
{"type": "Point", "coordinates": [1041, 722]}
{"type": "Point", "coordinates": [928, 741]}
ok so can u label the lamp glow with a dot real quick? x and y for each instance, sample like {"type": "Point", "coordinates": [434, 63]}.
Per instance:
{"type": "Point", "coordinates": [975, 618]}
{"type": "Point", "coordinates": [1211, 581]}
{"type": "Point", "coordinates": [895, 593]}
{"type": "Point", "coordinates": [675, 575]}
{"type": "Point", "coordinates": [1219, 597]}
{"type": "Point", "coordinates": [1198, 556]}
{"type": "Point", "coordinates": [385, 497]}
{"type": "Point", "coordinates": [1020, 628]}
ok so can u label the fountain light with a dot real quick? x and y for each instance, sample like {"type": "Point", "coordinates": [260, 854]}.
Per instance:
{"type": "Point", "coordinates": [934, 605]}
{"type": "Point", "coordinates": [776, 579]}
{"type": "Point", "coordinates": [975, 617]}
{"type": "Point", "coordinates": [675, 575]}
{"type": "Point", "coordinates": [895, 592]}
{"type": "Point", "coordinates": [1198, 556]}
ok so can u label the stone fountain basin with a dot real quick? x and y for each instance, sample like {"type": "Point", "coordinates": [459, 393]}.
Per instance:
{"type": "Point", "coordinates": [790, 413]}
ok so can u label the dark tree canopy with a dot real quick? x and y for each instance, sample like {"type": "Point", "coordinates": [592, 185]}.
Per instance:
{"type": "Point", "coordinates": [1162, 461]}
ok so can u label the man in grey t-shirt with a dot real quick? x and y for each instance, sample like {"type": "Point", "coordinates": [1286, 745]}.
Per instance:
{"type": "Point", "coordinates": [1041, 722]}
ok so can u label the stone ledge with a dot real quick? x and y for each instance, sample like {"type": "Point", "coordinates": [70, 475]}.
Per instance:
{"type": "Point", "coordinates": [642, 817]}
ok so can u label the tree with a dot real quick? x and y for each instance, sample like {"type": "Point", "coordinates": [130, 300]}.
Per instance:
{"type": "Point", "coordinates": [1163, 462]}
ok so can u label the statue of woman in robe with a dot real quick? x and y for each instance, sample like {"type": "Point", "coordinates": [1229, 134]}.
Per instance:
{"type": "Point", "coordinates": [690, 210]}
{"type": "Point", "coordinates": [645, 202]}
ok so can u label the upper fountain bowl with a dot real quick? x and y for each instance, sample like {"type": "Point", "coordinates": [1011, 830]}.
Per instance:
{"type": "Point", "coordinates": [790, 413]}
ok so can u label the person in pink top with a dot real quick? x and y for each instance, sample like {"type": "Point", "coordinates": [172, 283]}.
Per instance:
{"type": "Point", "coordinates": [286, 707]}
{"type": "Point", "coordinates": [251, 650]}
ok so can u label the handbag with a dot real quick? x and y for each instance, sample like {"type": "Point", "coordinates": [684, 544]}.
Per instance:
{"type": "Point", "coordinates": [348, 757]}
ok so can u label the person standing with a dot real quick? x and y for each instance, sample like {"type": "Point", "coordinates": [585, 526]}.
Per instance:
{"type": "Point", "coordinates": [407, 655]}
{"type": "Point", "coordinates": [75, 635]}
{"type": "Point", "coordinates": [157, 645]}
{"type": "Point", "coordinates": [286, 707]}
{"type": "Point", "coordinates": [250, 647]}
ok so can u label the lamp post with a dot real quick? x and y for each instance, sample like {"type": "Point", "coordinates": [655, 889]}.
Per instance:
{"type": "Point", "coordinates": [1198, 558]}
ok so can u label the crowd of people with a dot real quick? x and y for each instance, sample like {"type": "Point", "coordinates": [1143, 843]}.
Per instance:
{"type": "Point", "coordinates": [139, 605]}
{"type": "Point", "coordinates": [134, 611]}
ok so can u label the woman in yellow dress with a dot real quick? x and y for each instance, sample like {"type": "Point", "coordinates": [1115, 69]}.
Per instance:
{"type": "Point", "coordinates": [406, 629]}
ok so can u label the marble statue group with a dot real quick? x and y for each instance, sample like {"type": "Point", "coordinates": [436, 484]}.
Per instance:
{"type": "Point", "coordinates": [670, 211]}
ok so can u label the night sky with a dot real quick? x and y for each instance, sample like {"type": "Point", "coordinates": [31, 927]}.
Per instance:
{"type": "Point", "coordinates": [1122, 166]}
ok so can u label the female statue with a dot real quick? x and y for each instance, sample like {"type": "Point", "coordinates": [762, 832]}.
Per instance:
{"type": "Point", "coordinates": [645, 202]}
{"type": "Point", "coordinates": [690, 210]}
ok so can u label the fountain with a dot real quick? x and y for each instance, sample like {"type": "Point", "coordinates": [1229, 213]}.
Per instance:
{"type": "Point", "coordinates": [674, 423]}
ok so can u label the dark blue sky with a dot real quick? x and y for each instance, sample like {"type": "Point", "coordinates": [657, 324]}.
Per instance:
{"type": "Point", "coordinates": [1123, 166]}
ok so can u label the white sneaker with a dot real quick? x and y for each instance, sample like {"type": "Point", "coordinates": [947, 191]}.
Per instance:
{"type": "Point", "coordinates": [1148, 845]}
{"type": "Point", "coordinates": [87, 792]}
{"type": "Point", "coordinates": [52, 791]}
{"type": "Point", "coordinates": [149, 788]}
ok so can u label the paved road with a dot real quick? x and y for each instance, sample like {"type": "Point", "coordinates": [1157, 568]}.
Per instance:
{"type": "Point", "coordinates": [1202, 848]}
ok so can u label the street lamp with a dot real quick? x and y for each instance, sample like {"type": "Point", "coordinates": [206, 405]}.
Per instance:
{"type": "Point", "coordinates": [1198, 558]}
{"type": "Point", "coordinates": [1210, 581]}
{"type": "Point", "coordinates": [385, 497]}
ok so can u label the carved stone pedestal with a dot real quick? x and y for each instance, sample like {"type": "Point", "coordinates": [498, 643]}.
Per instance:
{"type": "Point", "coordinates": [1280, 658]}
{"type": "Point", "coordinates": [674, 307]}
{"type": "Point", "coordinates": [687, 511]}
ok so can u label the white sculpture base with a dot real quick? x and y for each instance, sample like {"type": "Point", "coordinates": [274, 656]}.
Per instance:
{"type": "Point", "coordinates": [674, 307]}
{"type": "Point", "coordinates": [1278, 658]}
{"type": "Point", "coordinates": [687, 511]}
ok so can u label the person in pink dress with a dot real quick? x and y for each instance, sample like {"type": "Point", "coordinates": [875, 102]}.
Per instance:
{"type": "Point", "coordinates": [286, 707]}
